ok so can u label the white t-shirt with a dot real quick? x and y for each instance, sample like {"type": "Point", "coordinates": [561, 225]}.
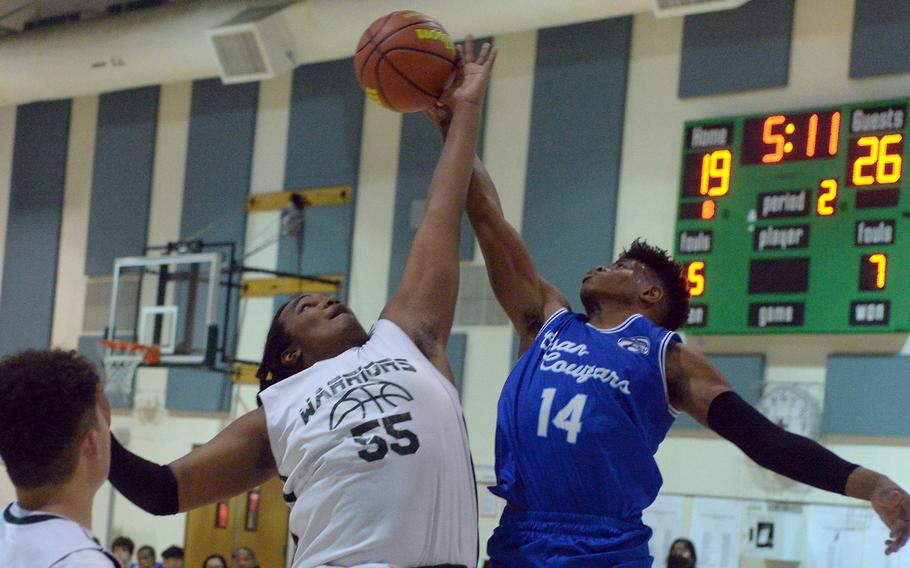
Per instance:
{"type": "Point", "coordinates": [374, 454]}
{"type": "Point", "coordinates": [36, 539]}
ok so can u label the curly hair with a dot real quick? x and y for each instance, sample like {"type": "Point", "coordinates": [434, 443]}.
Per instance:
{"type": "Point", "coordinates": [671, 275]}
{"type": "Point", "coordinates": [47, 404]}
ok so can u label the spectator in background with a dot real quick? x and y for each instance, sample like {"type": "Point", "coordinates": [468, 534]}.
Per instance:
{"type": "Point", "coordinates": [172, 557]}
{"type": "Point", "coordinates": [123, 548]}
{"type": "Point", "coordinates": [682, 554]}
{"type": "Point", "coordinates": [215, 561]}
{"type": "Point", "coordinates": [145, 557]}
{"type": "Point", "coordinates": [243, 557]}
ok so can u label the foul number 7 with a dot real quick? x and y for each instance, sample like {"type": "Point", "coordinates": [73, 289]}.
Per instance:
{"type": "Point", "coordinates": [568, 419]}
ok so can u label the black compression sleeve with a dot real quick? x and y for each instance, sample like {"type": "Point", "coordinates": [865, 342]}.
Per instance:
{"type": "Point", "coordinates": [149, 486]}
{"type": "Point", "coordinates": [776, 449]}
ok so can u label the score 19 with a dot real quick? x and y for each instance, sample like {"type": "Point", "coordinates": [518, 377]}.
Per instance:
{"type": "Point", "coordinates": [715, 173]}
{"type": "Point", "coordinates": [875, 160]}
{"type": "Point", "coordinates": [708, 174]}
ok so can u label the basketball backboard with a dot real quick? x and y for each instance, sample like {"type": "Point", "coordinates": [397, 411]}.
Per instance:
{"type": "Point", "coordinates": [170, 302]}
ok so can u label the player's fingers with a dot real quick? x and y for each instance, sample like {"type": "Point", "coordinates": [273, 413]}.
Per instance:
{"type": "Point", "coordinates": [491, 58]}
{"type": "Point", "coordinates": [468, 51]}
{"type": "Point", "coordinates": [484, 52]}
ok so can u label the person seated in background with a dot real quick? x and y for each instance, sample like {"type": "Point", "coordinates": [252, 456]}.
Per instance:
{"type": "Point", "coordinates": [172, 557]}
{"type": "Point", "coordinates": [145, 557]}
{"type": "Point", "coordinates": [243, 557]}
{"type": "Point", "coordinates": [55, 429]}
{"type": "Point", "coordinates": [123, 548]}
{"type": "Point", "coordinates": [214, 561]}
{"type": "Point", "coordinates": [682, 554]}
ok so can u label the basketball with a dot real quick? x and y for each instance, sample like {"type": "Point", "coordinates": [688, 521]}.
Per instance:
{"type": "Point", "coordinates": [404, 61]}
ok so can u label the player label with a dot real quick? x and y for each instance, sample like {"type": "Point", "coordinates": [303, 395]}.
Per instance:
{"type": "Point", "coordinates": [776, 314]}
{"type": "Point", "coordinates": [875, 232]}
{"type": "Point", "coordinates": [781, 238]}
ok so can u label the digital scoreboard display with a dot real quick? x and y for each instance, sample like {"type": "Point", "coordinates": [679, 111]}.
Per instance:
{"type": "Point", "coordinates": [797, 222]}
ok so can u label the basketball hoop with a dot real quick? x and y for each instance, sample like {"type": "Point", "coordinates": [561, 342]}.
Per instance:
{"type": "Point", "coordinates": [121, 359]}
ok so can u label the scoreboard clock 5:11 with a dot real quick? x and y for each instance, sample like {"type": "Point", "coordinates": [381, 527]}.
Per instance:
{"type": "Point", "coordinates": [796, 221]}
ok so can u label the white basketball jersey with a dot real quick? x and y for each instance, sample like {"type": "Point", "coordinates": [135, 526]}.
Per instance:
{"type": "Point", "coordinates": [34, 539]}
{"type": "Point", "coordinates": [374, 453]}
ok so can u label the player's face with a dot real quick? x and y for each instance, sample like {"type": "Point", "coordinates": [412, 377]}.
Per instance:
{"type": "Point", "coordinates": [624, 279]}
{"type": "Point", "coordinates": [321, 325]}
{"type": "Point", "coordinates": [123, 555]}
{"type": "Point", "coordinates": [145, 559]}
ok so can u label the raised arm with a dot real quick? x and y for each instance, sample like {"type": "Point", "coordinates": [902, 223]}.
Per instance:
{"type": "Point", "coordinates": [236, 460]}
{"type": "Point", "coordinates": [525, 296]}
{"type": "Point", "coordinates": [424, 303]}
{"type": "Point", "coordinates": [700, 390]}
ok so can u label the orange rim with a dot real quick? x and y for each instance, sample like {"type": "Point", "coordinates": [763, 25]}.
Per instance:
{"type": "Point", "coordinates": [151, 355]}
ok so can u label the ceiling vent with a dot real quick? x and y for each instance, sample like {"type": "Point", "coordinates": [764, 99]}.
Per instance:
{"type": "Point", "coordinates": [255, 45]}
{"type": "Point", "coordinates": [671, 8]}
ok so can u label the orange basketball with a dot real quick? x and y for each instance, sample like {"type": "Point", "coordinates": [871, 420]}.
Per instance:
{"type": "Point", "coordinates": [404, 61]}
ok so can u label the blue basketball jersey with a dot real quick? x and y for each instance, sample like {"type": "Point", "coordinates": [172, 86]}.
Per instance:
{"type": "Point", "coordinates": [580, 418]}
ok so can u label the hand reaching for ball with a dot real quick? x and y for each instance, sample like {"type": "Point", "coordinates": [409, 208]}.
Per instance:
{"type": "Point", "coordinates": [471, 76]}
{"type": "Point", "coordinates": [469, 84]}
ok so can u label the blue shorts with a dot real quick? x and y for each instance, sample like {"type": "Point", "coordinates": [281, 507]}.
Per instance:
{"type": "Point", "coordinates": [562, 540]}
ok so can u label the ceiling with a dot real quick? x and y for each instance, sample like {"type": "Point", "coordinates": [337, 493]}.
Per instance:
{"type": "Point", "coordinates": [15, 15]}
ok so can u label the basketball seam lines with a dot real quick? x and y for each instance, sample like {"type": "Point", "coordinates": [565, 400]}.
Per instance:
{"type": "Point", "coordinates": [379, 29]}
{"type": "Point", "coordinates": [403, 76]}
{"type": "Point", "coordinates": [452, 61]}
{"type": "Point", "coordinates": [393, 33]}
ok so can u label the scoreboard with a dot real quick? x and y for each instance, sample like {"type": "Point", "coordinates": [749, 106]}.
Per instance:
{"type": "Point", "coordinates": [797, 222]}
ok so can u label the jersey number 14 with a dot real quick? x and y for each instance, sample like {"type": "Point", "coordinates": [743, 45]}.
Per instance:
{"type": "Point", "coordinates": [568, 419]}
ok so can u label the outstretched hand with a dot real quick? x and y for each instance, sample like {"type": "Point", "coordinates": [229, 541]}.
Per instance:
{"type": "Point", "coordinates": [892, 504]}
{"type": "Point", "coordinates": [472, 75]}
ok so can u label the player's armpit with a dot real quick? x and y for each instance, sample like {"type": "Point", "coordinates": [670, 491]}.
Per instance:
{"type": "Point", "coordinates": [239, 458]}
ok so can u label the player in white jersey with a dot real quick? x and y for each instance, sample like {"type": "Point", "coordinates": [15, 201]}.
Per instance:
{"type": "Point", "coordinates": [54, 440]}
{"type": "Point", "coordinates": [365, 429]}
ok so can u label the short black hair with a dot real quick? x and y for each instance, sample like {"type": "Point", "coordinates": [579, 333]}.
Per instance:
{"type": "Point", "coordinates": [47, 404]}
{"type": "Point", "coordinates": [123, 542]}
{"type": "Point", "coordinates": [671, 275]}
{"type": "Point", "coordinates": [688, 545]}
{"type": "Point", "coordinates": [271, 368]}
{"type": "Point", "coordinates": [146, 547]}
{"type": "Point", "coordinates": [172, 552]}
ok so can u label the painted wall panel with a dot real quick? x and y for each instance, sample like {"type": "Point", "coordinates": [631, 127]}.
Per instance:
{"type": "Point", "coordinates": [731, 51]}
{"type": "Point", "coordinates": [33, 226]}
{"type": "Point", "coordinates": [122, 177]}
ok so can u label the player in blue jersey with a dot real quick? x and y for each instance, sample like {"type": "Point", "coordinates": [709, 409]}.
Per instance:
{"type": "Point", "coordinates": [594, 393]}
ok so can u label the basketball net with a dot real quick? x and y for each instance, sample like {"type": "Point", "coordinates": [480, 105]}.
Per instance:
{"type": "Point", "coordinates": [121, 359]}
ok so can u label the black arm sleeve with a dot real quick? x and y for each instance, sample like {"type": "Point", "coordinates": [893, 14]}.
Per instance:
{"type": "Point", "coordinates": [149, 486]}
{"type": "Point", "coordinates": [776, 449]}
